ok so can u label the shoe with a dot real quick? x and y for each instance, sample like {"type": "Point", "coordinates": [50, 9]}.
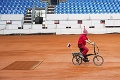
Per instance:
{"type": "Point", "coordinates": [86, 60]}
{"type": "Point", "coordinates": [81, 55]}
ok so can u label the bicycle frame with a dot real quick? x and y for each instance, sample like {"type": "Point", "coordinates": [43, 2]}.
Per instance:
{"type": "Point", "coordinates": [95, 53]}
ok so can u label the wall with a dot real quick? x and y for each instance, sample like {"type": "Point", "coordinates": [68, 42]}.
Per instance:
{"type": "Point", "coordinates": [15, 19]}
{"type": "Point", "coordinates": [68, 24]}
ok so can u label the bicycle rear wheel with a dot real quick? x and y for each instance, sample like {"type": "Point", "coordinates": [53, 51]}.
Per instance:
{"type": "Point", "coordinates": [76, 60]}
{"type": "Point", "coordinates": [98, 60]}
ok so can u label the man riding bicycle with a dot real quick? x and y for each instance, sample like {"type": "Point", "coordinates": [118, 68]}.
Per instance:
{"type": "Point", "coordinates": [81, 44]}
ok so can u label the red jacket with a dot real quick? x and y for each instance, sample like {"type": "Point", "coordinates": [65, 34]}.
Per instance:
{"type": "Point", "coordinates": [82, 39]}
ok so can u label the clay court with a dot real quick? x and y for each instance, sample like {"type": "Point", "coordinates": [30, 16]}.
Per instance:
{"type": "Point", "coordinates": [47, 57]}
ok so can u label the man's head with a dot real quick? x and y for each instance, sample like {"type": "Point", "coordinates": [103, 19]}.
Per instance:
{"type": "Point", "coordinates": [85, 31]}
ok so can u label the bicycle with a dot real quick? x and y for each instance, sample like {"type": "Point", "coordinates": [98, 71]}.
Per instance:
{"type": "Point", "coordinates": [97, 59]}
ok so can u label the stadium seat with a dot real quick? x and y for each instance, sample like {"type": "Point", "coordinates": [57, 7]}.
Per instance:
{"type": "Point", "coordinates": [19, 4]}
{"type": "Point", "coordinates": [68, 7]}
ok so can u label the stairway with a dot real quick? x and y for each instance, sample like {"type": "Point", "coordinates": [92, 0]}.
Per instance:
{"type": "Point", "coordinates": [51, 5]}
{"type": "Point", "coordinates": [28, 16]}
{"type": "Point", "coordinates": [50, 9]}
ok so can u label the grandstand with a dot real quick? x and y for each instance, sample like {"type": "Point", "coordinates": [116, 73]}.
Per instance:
{"type": "Point", "coordinates": [65, 17]}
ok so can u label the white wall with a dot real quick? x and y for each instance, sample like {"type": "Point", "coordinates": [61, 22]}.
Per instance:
{"type": "Point", "coordinates": [116, 22]}
{"type": "Point", "coordinates": [11, 26]}
{"type": "Point", "coordinates": [112, 30]}
{"type": "Point", "coordinates": [19, 23]}
{"type": "Point", "coordinates": [100, 16]}
{"type": "Point", "coordinates": [90, 30]}
{"type": "Point", "coordinates": [112, 22]}
{"type": "Point", "coordinates": [2, 26]}
{"type": "Point", "coordinates": [36, 26]}
{"type": "Point", "coordinates": [16, 31]}
{"type": "Point", "coordinates": [68, 31]}
{"type": "Point", "coordinates": [12, 17]}
{"type": "Point", "coordinates": [0, 17]}
{"type": "Point", "coordinates": [94, 22]}
{"type": "Point", "coordinates": [109, 22]}
{"type": "Point", "coordinates": [16, 19]}
{"type": "Point", "coordinates": [56, 16]}
{"type": "Point", "coordinates": [51, 26]}
{"type": "Point", "coordinates": [81, 16]}
{"type": "Point", "coordinates": [87, 23]}
{"type": "Point", "coordinates": [61, 26]}
{"type": "Point", "coordinates": [87, 19]}
{"type": "Point", "coordinates": [78, 16]}
{"type": "Point", "coordinates": [97, 26]}
{"type": "Point", "coordinates": [2, 22]}
{"type": "Point", "coordinates": [68, 24]}
{"type": "Point", "coordinates": [77, 26]}
{"type": "Point", "coordinates": [49, 22]}
{"type": "Point", "coordinates": [27, 26]}
{"type": "Point", "coordinates": [115, 16]}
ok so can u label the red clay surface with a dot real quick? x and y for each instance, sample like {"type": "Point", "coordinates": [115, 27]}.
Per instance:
{"type": "Point", "coordinates": [57, 57]}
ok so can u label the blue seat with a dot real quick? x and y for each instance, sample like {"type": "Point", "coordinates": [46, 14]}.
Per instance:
{"type": "Point", "coordinates": [70, 6]}
{"type": "Point", "coordinates": [112, 11]}
{"type": "Point", "coordinates": [108, 11]}
{"type": "Point", "coordinates": [2, 11]}
{"type": "Point", "coordinates": [116, 11]}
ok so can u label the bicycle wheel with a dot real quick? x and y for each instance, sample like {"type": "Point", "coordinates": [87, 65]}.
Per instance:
{"type": "Point", "coordinates": [98, 60]}
{"type": "Point", "coordinates": [76, 60]}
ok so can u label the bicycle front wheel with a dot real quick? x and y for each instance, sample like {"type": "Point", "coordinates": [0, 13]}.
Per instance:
{"type": "Point", "coordinates": [76, 60]}
{"type": "Point", "coordinates": [98, 60]}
